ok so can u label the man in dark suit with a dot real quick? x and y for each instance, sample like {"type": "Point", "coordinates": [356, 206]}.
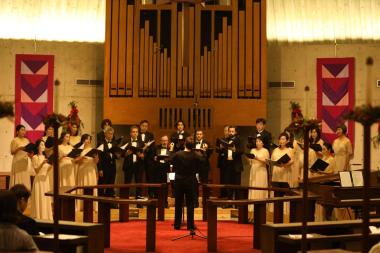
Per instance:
{"type": "Point", "coordinates": [24, 222]}
{"type": "Point", "coordinates": [179, 137]}
{"type": "Point", "coordinates": [161, 165]}
{"type": "Point", "coordinates": [221, 150]}
{"type": "Point", "coordinates": [202, 148]}
{"type": "Point", "coordinates": [234, 161]}
{"type": "Point", "coordinates": [185, 163]}
{"type": "Point", "coordinates": [147, 137]}
{"type": "Point", "coordinates": [134, 160]}
{"type": "Point", "coordinates": [260, 131]}
{"type": "Point", "coordinates": [107, 162]}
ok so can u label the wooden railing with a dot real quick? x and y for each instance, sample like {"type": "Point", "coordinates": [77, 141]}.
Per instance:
{"type": "Point", "coordinates": [242, 194]}
{"type": "Point", "coordinates": [260, 207]}
{"type": "Point", "coordinates": [67, 197]}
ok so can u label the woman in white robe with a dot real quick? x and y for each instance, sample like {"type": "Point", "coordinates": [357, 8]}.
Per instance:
{"type": "Point", "coordinates": [258, 175]}
{"type": "Point", "coordinates": [87, 168]}
{"type": "Point", "coordinates": [75, 137]}
{"type": "Point", "coordinates": [282, 172]}
{"type": "Point", "coordinates": [21, 170]}
{"type": "Point", "coordinates": [342, 149]}
{"type": "Point", "coordinates": [66, 166]}
{"type": "Point", "coordinates": [41, 204]}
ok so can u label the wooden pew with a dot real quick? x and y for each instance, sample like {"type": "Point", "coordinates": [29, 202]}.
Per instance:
{"type": "Point", "coordinates": [259, 215]}
{"type": "Point", "coordinates": [4, 180]}
{"type": "Point", "coordinates": [275, 237]}
{"type": "Point", "coordinates": [94, 232]}
{"type": "Point", "coordinates": [67, 243]}
{"type": "Point", "coordinates": [67, 203]}
{"type": "Point", "coordinates": [242, 194]}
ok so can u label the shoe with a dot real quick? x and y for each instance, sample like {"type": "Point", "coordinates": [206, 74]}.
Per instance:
{"type": "Point", "coordinates": [177, 227]}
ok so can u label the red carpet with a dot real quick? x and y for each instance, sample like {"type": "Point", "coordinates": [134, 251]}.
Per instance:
{"type": "Point", "coordinates": [130, 237]}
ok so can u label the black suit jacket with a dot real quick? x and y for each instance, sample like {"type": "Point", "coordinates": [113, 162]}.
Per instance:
{"type": "Point", "coordinates": [26, 223]}
{"type": "Point", "coordinates": [161, 163]}
{"type": "Point", "coordinates": [128, 161]}
{"type": "Point", "coordinates": [107, 158]}
{"type": "Point", "coordinates": [179, 144]}
{"type": "Point", "coordinates": [149, 151]}
{"type": "Point", "coordinates": [205, 164]}
{"type": "Point", "coordinates": [236, 156]}
{"type": "Point", "coordinates": [222, 154]}
{"type": "Point", "coordinates": [186, 165]}
{"type": "Point", "coordinates": [267, 139]}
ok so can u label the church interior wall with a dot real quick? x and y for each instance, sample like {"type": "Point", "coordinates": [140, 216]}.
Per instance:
{"type": "Point", "coordinates": [297, 62]}
{"type": "Point", "coordinates": [286, 62]}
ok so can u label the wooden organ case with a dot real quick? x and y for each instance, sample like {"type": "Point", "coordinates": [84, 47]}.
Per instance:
{"type": "Point", "coordinates": [163, 57]}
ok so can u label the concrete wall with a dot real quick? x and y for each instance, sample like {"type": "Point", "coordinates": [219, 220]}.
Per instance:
{"type": "Point", "coordinates": [72, 61]}
{"type": "Point", "coordinates": [297, 62]}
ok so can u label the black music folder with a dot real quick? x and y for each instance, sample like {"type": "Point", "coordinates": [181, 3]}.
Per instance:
{"type": "Point", "coordinates": [92, 153]}
{"type": "Point", "coordinates": [250, 156]}
{"type": "Point", "coordinates": [283, 159]}
{"type": "Point", "coordinates": [30, 148]}
{"type": "Point", "coordinates": [280, 184]}
{"type": "Point", "coordinates": [316, 147]}
{"type": "Point", "coordinates": [49, 143]}
{"type": "Point", "coordinates": [319, 165]}
{"type": "Point", "coordinates": [225, 143]}
{"type": "Point", "coordinates": [74, 153]}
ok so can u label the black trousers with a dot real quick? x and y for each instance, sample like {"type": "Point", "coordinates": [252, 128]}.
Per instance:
{"type": "Point", "coordinates": [160, 176]}
{"type": "Point", "coordinates": [134, 171]}
{"type": "Point", "coordinates": [231, 177]}
{"type": "Point", "coordinates": [109, 174]}
{"type": "Point", "coordinates": [184, 188]}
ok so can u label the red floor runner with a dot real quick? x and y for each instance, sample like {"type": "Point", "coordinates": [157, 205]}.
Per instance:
{"type": "Point", "coordinates": [130, 237]}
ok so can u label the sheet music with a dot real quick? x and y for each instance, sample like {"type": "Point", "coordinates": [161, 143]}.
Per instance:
{"type": "Point", "coordinates": [171, 176]}
{"type": "Point", "coordinates": [357, 178]}
{"type": "Point", "coordinates": [163, 151]}
{"type": "Point", "coordinates": [345, 179]}
{"type": "Point", "coordinates": [124, 146]}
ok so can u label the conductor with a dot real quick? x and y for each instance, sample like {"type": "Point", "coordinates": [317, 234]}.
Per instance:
{"type": "Point", "coordinates": [185, 164]}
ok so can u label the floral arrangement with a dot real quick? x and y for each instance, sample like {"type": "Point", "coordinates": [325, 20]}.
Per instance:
{"type": "Point", "coordinates": [367, 114]}
{"type": "Point", "coordinates": [73, 117]}
{"type": "Point", "coordinates": [6, 109]}
{"type": "Point", "coordinates": [304, 124]}
{"type": "Point", "coordinates": [296, 110]}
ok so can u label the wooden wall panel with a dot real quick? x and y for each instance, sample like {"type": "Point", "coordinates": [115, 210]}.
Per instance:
{"type": "Point", "coordinates": [121, 74]}
{"type": "Point", "coordinates": [114, 48]}
{"type": "Point", "coordinates": [191, 52]}
{"type": "Point", "coordinates": [107, 51]}
{"type": "Point", "coordinates": [130, 46]}
{"type": "Point", "coordinates": [180, 88]}
{"type": "Point", "coordinates": [145, 59]}
{"type": "Point", "coordinates": [248, 48]}
{"type": "Point", "coordinates": [150, 67]}
{"type": "Point", "coordinates": [141, 61]}
{"type": "Point", "coordinates": [241, 77]}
